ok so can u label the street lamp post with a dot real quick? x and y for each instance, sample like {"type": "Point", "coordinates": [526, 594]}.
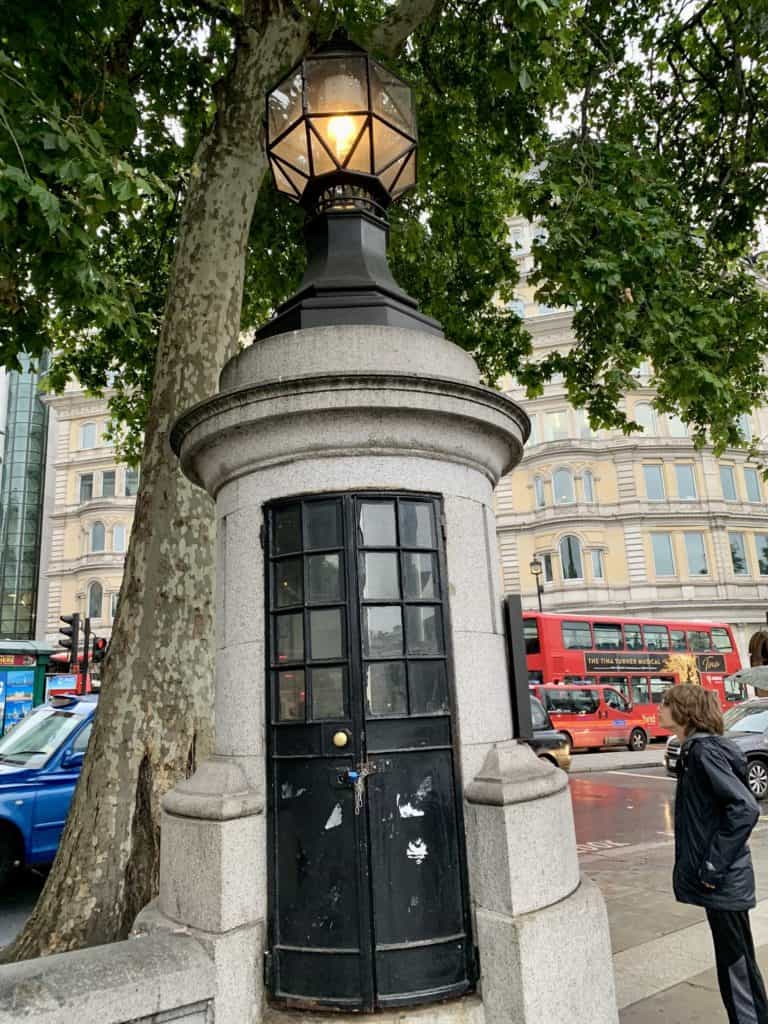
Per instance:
{"type": "Point", "coordinates": [536, 569]}
{"type": "Point", "coordinates": [341, 142]}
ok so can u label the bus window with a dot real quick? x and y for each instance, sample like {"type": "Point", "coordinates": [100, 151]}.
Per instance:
{"type": "Point", "coordinates": [577, 636]}
{"type": "Point", "coordinates": [659, 686]}
{"type": "Point", "coordinates": [607, 636]}
{"type": "Point", "coordinates": [534, 676]}
{"type": "Point", "coordinates": [639, 690]}
{"type": "Point", "coordinates": [633, 637]}
{"type": "Point", "coordinates": [678, 640]}
{"type": "Point", "coordinates": [721, 641]}
{"type": "Point", "coordinates": [579, 680]}
{"type": "Point", "coordinates": [617, 681]}
{"type": "Point", "coordinates": [698, 640]}
{"type": "Point", "coordinates": [656, 638]}
{"type": "Point", "coordinates": [531, 634]}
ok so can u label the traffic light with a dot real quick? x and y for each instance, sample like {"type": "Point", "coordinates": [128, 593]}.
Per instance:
{"type": "Point", "coordinates": [70, 638]}
{"type": "Point", "coordinates": [100, 648]}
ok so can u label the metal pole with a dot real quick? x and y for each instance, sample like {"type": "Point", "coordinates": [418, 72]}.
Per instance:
{"type": "Point", "coordinates": [82, 678]}
{"type": "Point", "coordinates": [539, 592]}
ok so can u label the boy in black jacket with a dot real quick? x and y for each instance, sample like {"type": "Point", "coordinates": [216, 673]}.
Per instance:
{"type": "Point", "coordinates": [714, 815]}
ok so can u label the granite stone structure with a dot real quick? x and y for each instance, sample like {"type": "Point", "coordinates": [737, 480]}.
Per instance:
{"type": "Point", "coordinates": [353, 409]}
{"type": "Point", "coordinates": [333, 410]}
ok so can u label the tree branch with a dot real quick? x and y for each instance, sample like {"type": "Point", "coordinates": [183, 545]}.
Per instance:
{"type": "Point", "coordinates": [401, 20]}
{"type": "Point", "coordinates": [221, 13]}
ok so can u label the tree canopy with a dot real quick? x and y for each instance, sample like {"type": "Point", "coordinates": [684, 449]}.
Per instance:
{"type": "Point", "coordinates": [645, 122]}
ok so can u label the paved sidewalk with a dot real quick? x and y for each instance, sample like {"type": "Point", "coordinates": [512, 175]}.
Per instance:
{"type": "Point", "coordinates": [663, 960]}
{"type": "Point", "coordinates": [612, 760]}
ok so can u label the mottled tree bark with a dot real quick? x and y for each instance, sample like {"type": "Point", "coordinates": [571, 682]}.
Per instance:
{"type": "Point", "coordinates": [155, 713]}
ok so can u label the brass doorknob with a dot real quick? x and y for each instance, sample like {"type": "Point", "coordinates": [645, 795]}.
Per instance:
{"type": "Point", "coordinates": [340, 738]}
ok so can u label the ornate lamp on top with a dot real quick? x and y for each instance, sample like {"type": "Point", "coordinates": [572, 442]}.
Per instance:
{"type": "Point", "coordinates": [341, 142]}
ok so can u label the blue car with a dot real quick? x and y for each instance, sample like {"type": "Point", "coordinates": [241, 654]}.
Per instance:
{"type": "Point", "coordinates": [40, 761]}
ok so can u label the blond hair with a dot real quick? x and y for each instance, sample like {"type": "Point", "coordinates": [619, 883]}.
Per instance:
{"type": "Point", "coordinates": [693, 707]}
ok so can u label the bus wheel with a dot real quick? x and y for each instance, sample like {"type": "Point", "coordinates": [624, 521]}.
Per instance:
{"type": "Point", "coordinates": [637, 740]}
{"type": "Point", "coordinates": [570, 740]}
{"type": "Point", "coordinates": [757, 779]}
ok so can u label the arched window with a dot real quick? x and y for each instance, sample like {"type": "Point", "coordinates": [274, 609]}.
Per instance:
{"type": "Point", "coordinates": [538, 491]}
{"type": "Point", "coordinates": [745, 427]}
{"type": "Point", "coordinates": [676, 426]}
{"type": "Point", "coordinates": [95, 595]}
{"type": "Point", "coordinates": [562, 486]}
{"type": "Point", "coordinates": [644, 415]}
{"type": "Point", "coordinates": [97, 537]}
{"type": "Point", "coordinates": [588, 485]}
{"type": "Point", "coordinates": [118, 538]}
{"type": "Point", "coordinates": [88, 435]}
{"type": "Point", "coordinates": [570, 558]}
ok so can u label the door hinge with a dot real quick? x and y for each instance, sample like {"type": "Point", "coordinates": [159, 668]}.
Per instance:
{"type": "Point", "coordinates": [262, 535]}
{"type": "Point", "coordinates": [443, 529]}
{"type": "Point", "coordinates": [267, 969]}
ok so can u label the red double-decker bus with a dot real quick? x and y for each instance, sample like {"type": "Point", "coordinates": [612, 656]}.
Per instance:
{"type": "Point", "coordinates": [638, 657]}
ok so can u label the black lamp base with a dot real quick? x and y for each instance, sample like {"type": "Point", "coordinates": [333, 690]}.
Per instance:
{"type": "Point", "coordinates": [347, 280]}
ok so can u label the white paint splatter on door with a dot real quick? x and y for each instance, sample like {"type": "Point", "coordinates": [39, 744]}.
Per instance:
{"type": "Point", "coordinates": [334, 818]}
{"type": "Point", "coordinates": [417, 851]}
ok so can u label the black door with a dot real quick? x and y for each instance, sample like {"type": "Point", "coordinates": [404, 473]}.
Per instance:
{"type": "Point", "coordinates": [368, 896]}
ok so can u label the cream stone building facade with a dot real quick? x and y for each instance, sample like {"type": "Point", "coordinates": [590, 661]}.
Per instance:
{"type": "Point", "coordinates": [90, 501]}
{"type": "Point", "coordinates": [644, 524]}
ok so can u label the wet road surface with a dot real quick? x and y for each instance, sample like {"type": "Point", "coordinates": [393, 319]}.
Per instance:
{"type": "Point", "coordinates": [17, 902]}
{"type": "Point", "coordinates": [622, 808]}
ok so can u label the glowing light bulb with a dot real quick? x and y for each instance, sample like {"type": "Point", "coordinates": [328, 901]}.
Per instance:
{"type": "Point", "coordinates": [341, 132]}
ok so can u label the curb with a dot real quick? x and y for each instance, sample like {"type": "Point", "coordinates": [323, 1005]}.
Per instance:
{"type": "Point", "coordinates": [619, 766]}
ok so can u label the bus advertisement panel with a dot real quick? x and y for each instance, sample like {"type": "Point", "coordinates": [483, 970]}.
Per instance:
{"type": "Point", "coordinates": [638, 657]}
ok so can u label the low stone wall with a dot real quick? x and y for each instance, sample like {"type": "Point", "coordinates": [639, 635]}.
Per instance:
{"type": "Point", "coordinates": [154, 979]}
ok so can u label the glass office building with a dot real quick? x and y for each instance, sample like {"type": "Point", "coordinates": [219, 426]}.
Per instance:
{"type": "Point", "coordinates": [21, 501]}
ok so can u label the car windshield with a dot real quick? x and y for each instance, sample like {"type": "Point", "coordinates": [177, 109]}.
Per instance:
{"type": "Point", "coordinates": [746, 719]}
{"type": "Point", "coordinates": [37, 736]}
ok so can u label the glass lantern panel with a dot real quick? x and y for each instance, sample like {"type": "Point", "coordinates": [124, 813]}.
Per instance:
{"type": "Point", "coordinates": [336, 85]}
{"type": "Point", "coordinates": [392, 99]}
{"type": "Point", "coordinates": [283, 182]}
{"type": "Point", "coordinates": [388, 145]}
{"type": "Point", "coordinates": [293, 177]}
{"type": "Point", "coordinates": [284, 104]}
{"type": "Point", "coordinates": [360, 159]}
{"type": "Point", "coordinates": [293, 150]}
{"type": "Point", "coordinates": [322, 162]}
{"type": "Point", "coordinates": [387, 177]}
{"type": "Point", "coordinates": [340, 133]}
{"type": "Point", "coordinates": [408, 177]}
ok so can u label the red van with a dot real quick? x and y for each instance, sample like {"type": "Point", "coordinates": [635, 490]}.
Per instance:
{"type": "Point", "coordinates": [593, 716]}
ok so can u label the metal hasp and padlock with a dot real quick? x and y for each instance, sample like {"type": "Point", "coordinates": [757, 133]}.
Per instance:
{"type": "Point", "coordinates": [356, 777]}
